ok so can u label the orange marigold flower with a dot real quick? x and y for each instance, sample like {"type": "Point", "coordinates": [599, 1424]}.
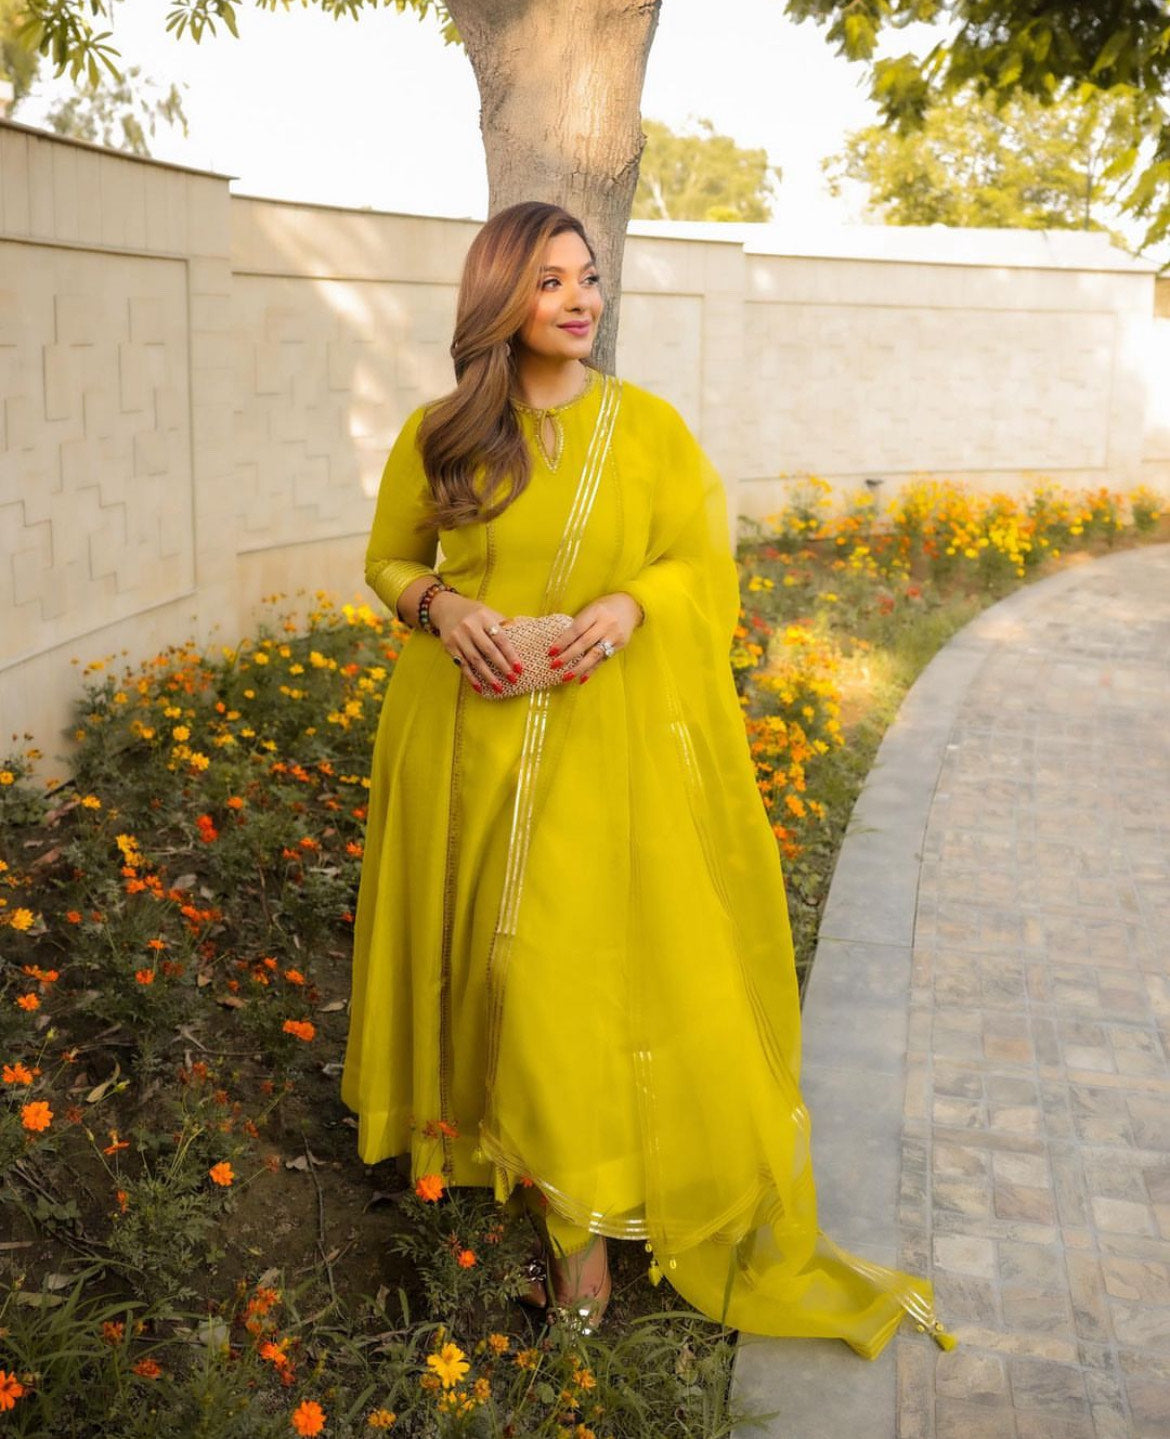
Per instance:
{"type": "Point", "coordinates": [144, 976]}
{"type": "Point", "coordinates": [466, 1258]}
{"type": "Point", "coordinates": [381, 1419]}
{"type": "Point", "coordinates": [294, 976]}
{"type": "Point", "coordinates": [10, 1390]}
{"type": "Point", "coordinates": [221, 1173]}
{"type": "Point", "coordinates": [28, 1001]}
{"type": "Point", "coordinates": [308, 1417]}
{"type": "Point", "coordinates": [36, 1115]}
{"type": "Point", "coordinates": [430, 1187]}
{"type": "Point", "coordinates": [156, 944]}
{"type": "Point", "coordinates": [17, 1074]}
{"type": "Point", "coordinates": [115, 1143]}
{"type": "Point", "coordinates": [123, 1200]}
{"type": "Point", "coordinates": [274, 1353]}
{"type": "Point", "coordinates": [302, 1028]}
{"type": "Point", "coordinates": [498, 1343]}
{"type": "Point", "coordinates": [73, 916]}
{"type": "Point", "coordinates": [449, 1130]}
{"type": "Point", "coordinates": [113, 1331]}
{"type": "Point", "coordinates": [235, 802]}
{"type": "Point", "coordinates": [147, 1368]}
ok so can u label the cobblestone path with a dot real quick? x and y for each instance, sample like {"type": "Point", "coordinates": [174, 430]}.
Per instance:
{"type": "Point", "coordinates": [987, 1032]}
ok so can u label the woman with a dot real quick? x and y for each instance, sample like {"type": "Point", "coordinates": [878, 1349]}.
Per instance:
{"type": "Point", "coordinates": [572, 953]}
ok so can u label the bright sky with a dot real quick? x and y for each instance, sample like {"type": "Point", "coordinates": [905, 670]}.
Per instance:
{"type": "Point", "coordinates": [380, 112]}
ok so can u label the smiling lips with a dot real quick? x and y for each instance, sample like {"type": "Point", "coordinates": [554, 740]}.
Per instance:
{"type": "Point", "coordinates": [577, 327]}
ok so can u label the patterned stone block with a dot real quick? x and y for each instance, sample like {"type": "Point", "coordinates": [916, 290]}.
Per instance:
{"type": "Point", "coordinates": [91, 465]}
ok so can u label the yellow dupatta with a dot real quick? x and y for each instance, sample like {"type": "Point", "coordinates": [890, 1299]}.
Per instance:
{"type": "Point", "coordinates": [643, 914]}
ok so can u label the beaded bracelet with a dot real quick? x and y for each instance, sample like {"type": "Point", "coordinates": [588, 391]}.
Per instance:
{"type": "Point", "coordinates": [424, 605]}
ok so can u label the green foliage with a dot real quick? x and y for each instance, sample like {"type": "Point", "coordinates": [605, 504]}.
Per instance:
{"type": "Point", "coordinates": [1008, 48]}
{"type": "Point", "coordinates": [701, 176]}
{"type": "Point", "coordinates": [974, 162]}
{"type": "Point", "coordinates": [18, 63]}
{"type": "Point", "coordinates": [65, 30]}
{"type": "Point", "coordinates": [106, 106]}
{"type": "Point", "coordinates": [119, 112]}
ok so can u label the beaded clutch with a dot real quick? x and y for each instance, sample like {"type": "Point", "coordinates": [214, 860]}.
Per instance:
{"type": "Point", "coordinates": [531, 636]}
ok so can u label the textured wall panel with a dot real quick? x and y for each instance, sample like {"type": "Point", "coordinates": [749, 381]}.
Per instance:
{"type": "Point", "coordinates": [853, 389]}
{"type": "Point", "coordinates": [326, 372]}
{"type": "Point", "coordinates": [661, 347]}
{"type": "Point", "coordinates": [95, 473]}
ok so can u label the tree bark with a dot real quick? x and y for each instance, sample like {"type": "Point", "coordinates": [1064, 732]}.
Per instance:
{"type": "Point", "coordinates": [560, 84]}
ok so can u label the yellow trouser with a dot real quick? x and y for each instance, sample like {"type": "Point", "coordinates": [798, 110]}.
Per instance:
{"type": "Point", "coordinates": [563, 1237]}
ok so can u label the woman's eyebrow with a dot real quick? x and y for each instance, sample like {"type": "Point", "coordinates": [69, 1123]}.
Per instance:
{"type": "Point", "coordinates": [556, 269]}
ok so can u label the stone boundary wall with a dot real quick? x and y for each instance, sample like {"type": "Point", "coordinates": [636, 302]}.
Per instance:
{"type": "Point", "coordinates": [198, 390]}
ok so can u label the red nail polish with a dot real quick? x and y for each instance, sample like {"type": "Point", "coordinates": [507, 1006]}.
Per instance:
{"type": "Point", "coordinates": [584, 678]}
{"type": "Point", "coordinates": [497, 686]}
{"type": "Point", "coordinates": [568, 675]}
{"type": "Point", "coordinates": [519, 668]}
{"type": "Point", "coordinates": [477, 687]}
{"type": "Point", "coordinates": [553, 650]}
{"type": "Point", "coordinates": [555, 664]}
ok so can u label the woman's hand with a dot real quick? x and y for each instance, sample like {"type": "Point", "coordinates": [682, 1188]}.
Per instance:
{"type": "Point", "coordinates": [463, 626]}
{"type": "Point", "coordinates": [611, 617]}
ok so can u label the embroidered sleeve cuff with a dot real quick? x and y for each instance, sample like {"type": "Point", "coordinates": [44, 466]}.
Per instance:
{"type": "Point", "coordinates": [388, 578]}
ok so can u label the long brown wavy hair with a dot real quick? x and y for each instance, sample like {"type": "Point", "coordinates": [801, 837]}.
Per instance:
{"type": "Point", "coordinates": [470, 440]}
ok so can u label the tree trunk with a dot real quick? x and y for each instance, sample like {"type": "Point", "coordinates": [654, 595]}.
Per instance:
{"type": "Point", "coordinates": [560, 89]}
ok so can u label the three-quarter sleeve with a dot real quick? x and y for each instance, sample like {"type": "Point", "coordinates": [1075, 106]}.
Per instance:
{"type": "Point", "coordinates": [399, 552]}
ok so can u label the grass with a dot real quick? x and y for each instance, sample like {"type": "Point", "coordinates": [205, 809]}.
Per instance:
{"type": "Point", "coordinates": [189, 1244]}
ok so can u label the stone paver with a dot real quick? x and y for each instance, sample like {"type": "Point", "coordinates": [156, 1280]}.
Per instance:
{"type": "Point", "coordinates": [987, 1030]}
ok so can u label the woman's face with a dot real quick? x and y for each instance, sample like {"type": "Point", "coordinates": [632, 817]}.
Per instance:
{"type": "Point", "coordinates": [562, 322]}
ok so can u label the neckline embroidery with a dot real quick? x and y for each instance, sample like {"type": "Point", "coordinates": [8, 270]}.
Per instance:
{"type": "Point", "coordinates": [552, 413]}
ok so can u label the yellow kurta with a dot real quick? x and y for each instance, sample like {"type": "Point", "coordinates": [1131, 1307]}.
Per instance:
{"type": "Point", "coordinates": [572, 940]}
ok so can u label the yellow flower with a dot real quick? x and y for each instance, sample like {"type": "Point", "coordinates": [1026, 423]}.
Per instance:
{"type": "Point", "coordinates": [22, 919]}
{"type": "Point", "coordinates": [7, 777]}
{"type": "Point", "coordinates": [381, 1419]}
{"type": "Point", "coordinates": [91, 801]}
{"type": "Point", "coordinates": [449, 1365]}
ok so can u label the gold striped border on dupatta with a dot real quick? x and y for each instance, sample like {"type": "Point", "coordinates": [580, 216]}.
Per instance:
{"type": "Point", "coordinates": [536, 720]}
